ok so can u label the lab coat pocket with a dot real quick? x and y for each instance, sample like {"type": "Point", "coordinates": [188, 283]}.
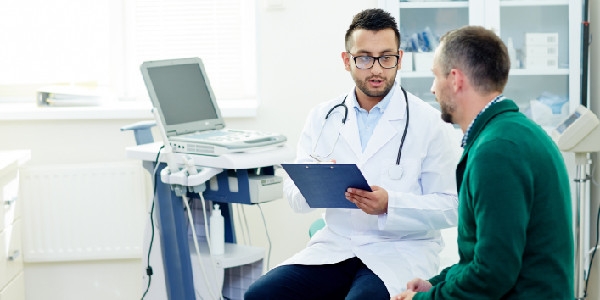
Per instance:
{"type": "Point", "coordinates": [404, 177]}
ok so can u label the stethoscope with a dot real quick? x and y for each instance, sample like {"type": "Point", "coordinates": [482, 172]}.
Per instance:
{"type": "Point", "coordinates": [395, 171]}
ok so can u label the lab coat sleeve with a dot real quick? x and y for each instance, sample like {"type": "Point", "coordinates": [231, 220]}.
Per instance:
{"type": "Point", "coordinates": [436, 207]}
{"type": "Point", "coordinates": [296, 200]}
{"type": "Point", "coordinates": [501, 211]}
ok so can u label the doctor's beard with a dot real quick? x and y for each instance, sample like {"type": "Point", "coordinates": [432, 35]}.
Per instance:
{"type": "Point", "coordinates": [363, 85]}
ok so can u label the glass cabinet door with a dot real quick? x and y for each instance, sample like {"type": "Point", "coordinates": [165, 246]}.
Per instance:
{"type": "Point", "coordinates": [542, 41]}
{"type": "Point", "coordinates": [421, 24]}
{"type": "Point", "coordinates": [542, 36]}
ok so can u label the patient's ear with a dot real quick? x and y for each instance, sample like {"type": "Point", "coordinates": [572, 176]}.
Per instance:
{"type": "Point", "coordinates": [458, 79]}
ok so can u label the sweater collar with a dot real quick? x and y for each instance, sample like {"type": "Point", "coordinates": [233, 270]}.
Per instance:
{"type": "Point", "coordinates": [466, 136]}
{"type": "Point", "coordinates": [481, 121]}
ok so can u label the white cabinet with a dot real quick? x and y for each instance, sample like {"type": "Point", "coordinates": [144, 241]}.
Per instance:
{"type": "Point", "coordinates": [11, 253]}
{"type": "Point", "coordinates": [541, 83]}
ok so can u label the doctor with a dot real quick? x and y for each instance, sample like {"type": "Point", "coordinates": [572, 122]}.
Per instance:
{"type": "Point", "coordinates": [372, 252]}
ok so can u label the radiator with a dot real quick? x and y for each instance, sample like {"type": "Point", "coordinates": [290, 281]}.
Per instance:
{"type": "Point", "coordinates": [82, 212]}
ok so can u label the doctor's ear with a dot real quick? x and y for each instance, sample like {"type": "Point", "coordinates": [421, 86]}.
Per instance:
{"type": "Point", "coordinates": [346, 59]}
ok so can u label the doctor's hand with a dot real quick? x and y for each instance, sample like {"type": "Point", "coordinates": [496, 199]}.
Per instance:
{"type": "Point", "coordinates": [324, 161]}
{"type": "Point", "coordinates": [327, 162]}
{"type": "Point", "coordinates": [372, 203]}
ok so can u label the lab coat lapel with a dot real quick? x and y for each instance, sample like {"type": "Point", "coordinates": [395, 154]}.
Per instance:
{"type": "Point", "coordinates": [349, 132]}
{"type": "Point", "coordinates": [386, 128]}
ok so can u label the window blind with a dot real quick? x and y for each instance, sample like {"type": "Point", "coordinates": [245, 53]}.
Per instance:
{"type": "Point", "coordinates": [104, 43]}
{"type": "Point", "coordinates": [221, 33]}
{"type": "Point", "coordinates": [58, 41]}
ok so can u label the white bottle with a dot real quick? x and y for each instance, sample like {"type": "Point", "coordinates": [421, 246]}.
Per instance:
{"type": "Point", "coordinates": [217, 232]}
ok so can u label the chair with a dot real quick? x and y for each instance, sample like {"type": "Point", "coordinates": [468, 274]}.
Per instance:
{"type": "Point", "coordinates": [316, 226]}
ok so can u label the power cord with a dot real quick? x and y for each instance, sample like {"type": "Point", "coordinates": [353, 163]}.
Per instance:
{"type": "Point", "coordinates": [149, 271]}
{"type": "Point", "coordinates": [246, 224]}
{"type": "Point", "coordinates": [267, 233]}
{"type": "Point", "coordinates": [238, 215]}
{"type": "Point", "coordinates": [197, 247]}
{"type": "Point", "coordinates": [597, 236]}
{"type": "Point", "coordinates": [593, 253]}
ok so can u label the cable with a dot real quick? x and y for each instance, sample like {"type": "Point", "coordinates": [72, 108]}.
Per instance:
{"type": "Point", "coordinates": [149, 271]}
{"type": "Point", "coordinates": [593, 253]}
{"type": "Point", "coordinates": [268, 238]}
{"type": "Point", "coordinates": [238, 215]}
{"type": "Point", "coordinates": [593, 171]}
{"type": "Point", "coordinates": [206, 233]}
{"type": "Point", "coordinates": [185, 199]}
{"type": "Point", "coordinates": [246, 224]}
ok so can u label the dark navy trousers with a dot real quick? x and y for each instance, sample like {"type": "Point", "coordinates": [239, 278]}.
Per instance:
{"type": "Point", "coordinates": [349, 279]}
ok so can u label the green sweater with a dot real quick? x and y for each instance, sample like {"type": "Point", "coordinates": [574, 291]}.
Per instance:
{"type": "Point", "coordinates": [515, 237]}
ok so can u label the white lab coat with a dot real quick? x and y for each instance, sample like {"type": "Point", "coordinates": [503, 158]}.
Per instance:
{"type": "Point", "coordinates": [405, 242]}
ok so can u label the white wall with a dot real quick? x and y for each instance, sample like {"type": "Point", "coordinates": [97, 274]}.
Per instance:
{"type": "Point", "coordinates": [299, 66]}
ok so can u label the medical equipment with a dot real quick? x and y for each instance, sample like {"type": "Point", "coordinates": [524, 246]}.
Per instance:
{"type": "Point", "coordinates": [179, 259]}
{"type": "Point", "coordinates": [580, 133]}
{"type": "Point", "coordinates": [262, 188]}
{"type": "Point", "coordinates": [395, 171]}
{"type": "Point", "coordinates": [187, 108]}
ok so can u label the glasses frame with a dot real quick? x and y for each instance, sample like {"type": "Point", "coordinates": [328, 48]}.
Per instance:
{"type": "Point", "coordinates": [375, 58]}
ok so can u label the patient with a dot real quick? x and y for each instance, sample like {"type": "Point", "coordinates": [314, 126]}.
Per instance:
{"type": "Point", "coordinates": [515, 235]}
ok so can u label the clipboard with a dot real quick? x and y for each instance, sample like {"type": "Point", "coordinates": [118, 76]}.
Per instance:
{"type": "Point", "coordinates": [324, 185]}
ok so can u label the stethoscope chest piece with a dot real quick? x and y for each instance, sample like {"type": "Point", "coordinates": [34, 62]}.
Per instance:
{"type": "Point", "coordinates": [395, 172]}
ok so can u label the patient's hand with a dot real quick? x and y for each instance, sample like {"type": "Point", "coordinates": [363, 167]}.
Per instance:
{"type": "Point", "coordinates": [412, 287]}
{"type": "Point", "coordinates": [418, 285]}
{"type": "Point", "coordinates": [406, 295]}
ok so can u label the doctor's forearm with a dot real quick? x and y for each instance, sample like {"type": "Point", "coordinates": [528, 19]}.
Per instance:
{"type": "Point", "coordinates": [409, 212]}
{"type": "Point", "coordinates": [295, 198]}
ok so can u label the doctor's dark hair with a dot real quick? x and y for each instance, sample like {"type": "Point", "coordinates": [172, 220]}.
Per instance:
{"type": "Point", "coordinates": [479, 53]}
{"type": "Point", "coordinates": [372, 19]}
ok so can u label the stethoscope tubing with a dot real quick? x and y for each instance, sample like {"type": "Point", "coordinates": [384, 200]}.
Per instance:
{"type": "Point", "coordinates": [343, 104]}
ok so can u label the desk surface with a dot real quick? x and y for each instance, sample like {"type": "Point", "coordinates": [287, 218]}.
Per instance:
{"type": "Point", "coordinates": [255, 159]}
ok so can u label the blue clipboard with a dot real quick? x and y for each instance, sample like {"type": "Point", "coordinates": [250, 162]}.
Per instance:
{"type": "Point", "coordinates": [324, 185]}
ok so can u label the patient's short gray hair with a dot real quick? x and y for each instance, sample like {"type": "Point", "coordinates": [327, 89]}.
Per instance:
{"type": "Point", "coordinates": [479, 53]}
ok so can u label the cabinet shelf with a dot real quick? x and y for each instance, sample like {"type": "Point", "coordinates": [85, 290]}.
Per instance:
{"type": "Point", "coordinates": [513, 72]}
{"type": "Point", "coordinates": [416, 74]}
{"type": "Point", "coordinates": [235, 254]}
{"type": "Point", "coordinates": [536, 3]}
{"type": "Point", "coordinates": [526, 72]}
{"type": "Point", "coordinates": [437, 4]}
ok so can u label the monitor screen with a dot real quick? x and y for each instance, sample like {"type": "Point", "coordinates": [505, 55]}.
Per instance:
{"type": "Point", "coordinates": [184, 88]}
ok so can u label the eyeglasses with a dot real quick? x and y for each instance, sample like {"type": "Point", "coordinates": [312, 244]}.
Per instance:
{"type": "Point", "coordinates": [367, 62]}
